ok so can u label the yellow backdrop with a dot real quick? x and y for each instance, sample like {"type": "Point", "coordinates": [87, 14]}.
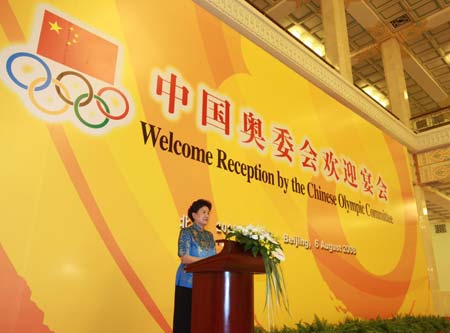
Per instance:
{"type": "Point", "coordinates": [97, 175]}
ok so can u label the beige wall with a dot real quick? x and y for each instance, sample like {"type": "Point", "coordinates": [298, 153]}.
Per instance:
{"type": "Point", "coordinates": [441, 247]}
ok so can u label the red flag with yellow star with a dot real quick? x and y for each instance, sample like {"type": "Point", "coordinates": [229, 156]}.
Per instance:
{"type": "Point", "coordinates": [73, 46]}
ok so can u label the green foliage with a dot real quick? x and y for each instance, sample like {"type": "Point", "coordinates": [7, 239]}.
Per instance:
{"type": "Point", "coordinates": [398, 324]}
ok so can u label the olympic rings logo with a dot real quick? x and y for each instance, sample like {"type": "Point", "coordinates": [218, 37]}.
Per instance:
{"type": "Point", "coordinates": [41, 83]}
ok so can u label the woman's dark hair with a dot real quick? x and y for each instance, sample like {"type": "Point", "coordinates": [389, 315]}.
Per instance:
{"type": "Point", "coordinates": [196, 205]}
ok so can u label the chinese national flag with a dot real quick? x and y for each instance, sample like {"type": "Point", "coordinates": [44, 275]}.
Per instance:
{"type": "Point", "coordinates": [73, 46]}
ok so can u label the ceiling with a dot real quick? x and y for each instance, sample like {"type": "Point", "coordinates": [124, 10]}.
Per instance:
{"type": "Point", "coordinates": [422, 28]}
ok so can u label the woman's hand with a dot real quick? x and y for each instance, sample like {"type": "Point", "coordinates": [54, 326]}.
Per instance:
{"type": "Point", "coordinates": [187, 259]}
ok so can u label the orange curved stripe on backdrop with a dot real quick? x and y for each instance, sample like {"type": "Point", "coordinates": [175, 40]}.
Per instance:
{"type": "Point", "coordinates": [212, 30]}
{"type": "Point", "coordinates": [168, 45]}
{"type": "Point", "coordinates": [363, 293]}
{"type": "Point", "coordinates": [222, 64]}
{"type": "Point", "coordinates": [19, 313]}
{"type": "Point", "coordinates": [14, 33]}
{"type": "Point", "coordinates": [81, 185]}
{"type": "Point", "coordinates": [9, 23]}
{"type": "Point", "coordinates": [178, 47]}
{"type": "Point", "coordinates": [258, 324]}
{"type": "Point", "coordinates": [356, 301]}
{"type": "Point", "coordinates": [219, 47]}
{"type": "Point", "coordinates": [411, 309]}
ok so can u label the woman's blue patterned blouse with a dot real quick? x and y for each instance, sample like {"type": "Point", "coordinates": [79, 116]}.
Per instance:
{"type": "Point", "coordinates": [196, 242]}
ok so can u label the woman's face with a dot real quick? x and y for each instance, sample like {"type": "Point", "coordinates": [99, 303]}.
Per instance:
{"type": "Point", "coordinates": [201, 217]}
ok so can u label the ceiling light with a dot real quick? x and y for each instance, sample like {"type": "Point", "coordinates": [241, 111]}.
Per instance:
{"type": "Point", "coordinates": [295, 33]}
{"type": "Point", "coordinates": [376, 95]}
{"type": "Point", "coordinates": [309, 40]}
{"type": "Point", "coordinates": [447, 58]}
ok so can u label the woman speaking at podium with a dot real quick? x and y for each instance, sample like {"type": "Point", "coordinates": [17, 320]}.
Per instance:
{"type": "Point", "coordinates": [194, 243]}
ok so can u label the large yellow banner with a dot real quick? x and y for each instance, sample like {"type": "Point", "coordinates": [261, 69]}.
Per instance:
{"type": "Point", "coordinates": [117, 114]}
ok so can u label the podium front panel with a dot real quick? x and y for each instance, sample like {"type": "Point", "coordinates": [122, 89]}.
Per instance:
{"type": "Point", "coordinates": [222, 302]}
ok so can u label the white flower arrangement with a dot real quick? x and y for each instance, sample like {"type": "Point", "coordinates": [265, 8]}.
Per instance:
{"type": "Point", "coordinates": [261, 242]}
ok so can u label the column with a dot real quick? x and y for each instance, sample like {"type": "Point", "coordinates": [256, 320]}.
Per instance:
{"type": "Point", "coordinates": [395, 80]}
{"type": "Point", "coordinates": [336, 38]}
{"type": "Point", "coordinates": [424, 227]}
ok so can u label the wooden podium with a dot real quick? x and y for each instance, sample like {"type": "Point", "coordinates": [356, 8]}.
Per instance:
{"type": "Point", "coordinates": [222, 294]}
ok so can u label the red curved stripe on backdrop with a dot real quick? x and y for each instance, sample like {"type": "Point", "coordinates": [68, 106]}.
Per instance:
{"type": "Point", "coordinates": [19, 314]}
{"type": "Point", "coordinates": [81, 185]}
{"type": "Point", "coordinates": [363, 293]}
